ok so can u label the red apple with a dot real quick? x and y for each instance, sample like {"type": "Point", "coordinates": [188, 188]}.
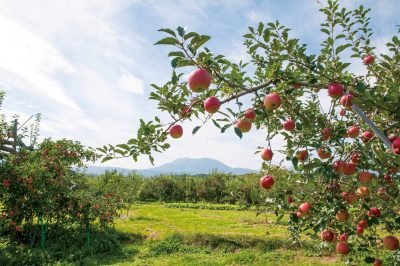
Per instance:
{"type": "Point", "coordinates": [375, 212]}
{"type": "Point", "coordinates": [185, 111]}
{"type": "Point", "coordinates": [212, 104]}
{"type": "Point", "coordinates": [369, 59]}
{"type": "Point", "coordinates": [353, 132]}
{"type": "Point", "coordinates": [387, 178]}
{"type": "Point", "coordinates": [302, 155]}
{"type": "Point", "coordinates": [355, 157]}
{"type": "Point", "coordinates": [378, 262]}
{"type": "Point", "coordinates": [290, 200]}
{"type": "Point", "coordinates": [365, 177]}
{"type": "Point", "coordinates": [349, 169]}
{"type": "Point", "coordinates": [323, 154]}
{"type": "Point", "coordinates": [267, 181]}
{"type": "Point", "coordinates": [350, 197]}
{"type": "Point", "coordinates": [359, 230]}
{"type": "Point", "coordinates": [343, 237]}
{"type": "Point", "coordinates": [199, 80]}
{"type": "Point", "coordinates": [391, 243]}
{"type": "Point", "coordinates": [266, 154]}
{"type": "Point", "coordinates": [289, 125]}
{"type": "Point", "coordinates": [335, 90]}
{"type": "Point", "coordinates": [250, 114]}
{"type": "Point", "coordinates": [305, 207]}
{"type": "Point", "coordinates": [296, 85]}
{"type": "Point", "coordinates": [326, 133]}
{"type": "Point", "coordinates": [338, 166]}
{"type": "Point", "coordinates": [6, 183]}
{"type": "Point", "coordinates": [363, 224]}
{"type": "Point", "coordinates": [342, 112]}
{"type": "Point", "coordinates": [244, 125]}
{"type": "Point", "coordinates": [327, 236]}
{"type": "Point", "coordinates": [347, 100]}
{"type": "Point", "coordinates": [272, 101]}
{"type": "Point", "coordinates": [363, 192]}
{"type": "Point", "coordinates": [396, 146]}
{"type": "Point", "coordinates": [176, 131]}
{"type": "Point", "coordinates": [342, 248]}
{"type": "Point", "coordinates": [342, 216]}
{"type": "Point", "coordinates": [367, 136]}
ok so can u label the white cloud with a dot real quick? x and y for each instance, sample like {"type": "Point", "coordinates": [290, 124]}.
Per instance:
{"type": "Point", "coordinates": [130, 83]}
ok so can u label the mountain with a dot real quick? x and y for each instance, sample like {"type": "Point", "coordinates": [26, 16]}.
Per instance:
{"type": "Point", "coordinates": [180, 166]}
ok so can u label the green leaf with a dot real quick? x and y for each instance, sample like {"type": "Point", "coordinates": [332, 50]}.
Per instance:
{"type": "Point", "coordinates": [105, 159]}
{"type": "Point", "coordinates": [195, 130]}
{"type": "Point", "coordinates": [176, 53]}
{"type": "Point", "coordinates": [167, 41]}
{"type": "Point", "coordinates": [295, 162]}
{"type": "Point", "coordinates": [360, 87]}
{"type": "Point", "coordinates": [198, 41]}
{"type": "Point", "coordinates": [181, 31]}
{"type": "Point", "coordinates": [342, 47]}
{"type": "Point", "coordinates": [169, 31]}
{"type": "Point", "coordinates": [216, 124]}
{"type": "Point", "coordinates": [325, 31]}
{"type": "Point", "coordinates": [123, 146]}
{"type": "Point", "coordinates": [190, 35]}
{"type": "Point", "coordinates": [238, 132]}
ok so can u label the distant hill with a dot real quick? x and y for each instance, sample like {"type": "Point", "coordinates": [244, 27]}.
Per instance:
{"type": "Point", "coordinates": [180, 166]}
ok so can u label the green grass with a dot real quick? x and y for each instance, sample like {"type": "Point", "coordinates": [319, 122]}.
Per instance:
{"type": "Point", "coordinates": [180, 236]}
{"type": "Point", "coordinates": [156, 235]}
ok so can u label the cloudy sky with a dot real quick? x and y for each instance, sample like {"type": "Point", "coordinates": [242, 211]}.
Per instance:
{"type": "Point", "coordinates": [87, 65]}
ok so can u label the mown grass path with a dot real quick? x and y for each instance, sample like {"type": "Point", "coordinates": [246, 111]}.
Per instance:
{"type": "Point", "coordinates": [178, 236]}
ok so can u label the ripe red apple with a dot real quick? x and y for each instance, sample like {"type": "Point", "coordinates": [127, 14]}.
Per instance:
{"type": "Point", "coordinates": [363, 224]}
{"type": "Point", "coordinates": [375, 212]}
{"type": "Point", "coordinates": [355, 157]}
{"type": "Point", "coordinates": [185, 111]}
{"type": "Point", "coordinates": [290, 200]}
{"type": "Point", "coordinates": [378, 262]}
{"type": "Point", "coordinates": [382, 193]}
{"type": "Point", "coordinates": [326, 133]}
{"type": "Point", "coordinates": [342, 248]}
{"type": "Point", "coordinates": [296, 85]}
{"type": "Point", "coordinates": [327, 236]}
{"type": "Point", "coordinates": [199, 80]}
{"type": "Point", "coordinates": [267, 181]}
{"type": "Point", "coordinates": [367, 136]}
{"type": "Point", "coordinates": [369, 59]}
{"type": "Point", "coordinates": [387, 178]}
{"type": "Point", "coordinates": [305, 207]}
{"type": "Point", "coordinates": [289, 125]}
{"type": "Point", "coordinates": [391, 243]}
{"type": "Point", "coordinates": [6, 183]}
{"type": "Point", "coordinates": [338, 166]}
{"type": "Point", "coordinates": [359, 230]}
{"type": "Point", "coordinates": [363, 192]}
{"type": "Point", "coordinates": [350, 197]}
{"type": "Point", "coordinates": [396, 146]}
{"type": "Point", "coordinates": [323, 154]}
{"type": "Point", "coordinates": [212, 104]}
{"type": "Point", "coordinates": [342, 112]}
{"type": "Point", "coordinates": [272, 101]}
{"type": "Point", "coordinates": [302, 155]}
{"type": "Point", "coordinates": [335, 90]}
{"type": "Point", "coordinates": [347, 100]}
{"type": "Point", "coordinates": [176, 131]}
{"type": "Point", "coordinates": [342, 216]}
{"type": "Point", "coordinates": [353, 132]}
{"type": "Point", "coordinates": [244, 125]}
{"type": "Point", "coordinates": [250, 114]}
{"type": "Point", "coordinates": [343, 237]}
{"type": "Point", "coordinates": [266, 154]}
{"type": "Point", "coordinates": [365, 177]}
{"type": "Point", "coordinates": [349, 169]}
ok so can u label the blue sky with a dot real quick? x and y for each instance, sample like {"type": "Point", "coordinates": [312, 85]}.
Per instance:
{"type": "Point", "coordinates": [87, 65]}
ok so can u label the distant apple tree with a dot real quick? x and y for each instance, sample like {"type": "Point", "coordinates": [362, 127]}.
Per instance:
{"type": "Point", "coordinates": [348, 190]}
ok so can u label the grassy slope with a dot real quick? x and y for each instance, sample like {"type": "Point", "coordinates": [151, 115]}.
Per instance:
{"type": "Point", "coordinates": [206, 237]}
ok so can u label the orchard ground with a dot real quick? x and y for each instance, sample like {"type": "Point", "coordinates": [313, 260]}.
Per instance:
{"type": "Point", "coordinates": [171, 234]}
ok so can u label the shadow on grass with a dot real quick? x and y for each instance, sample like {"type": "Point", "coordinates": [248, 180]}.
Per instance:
{"type": "Point", "coordinates": [69, 246]}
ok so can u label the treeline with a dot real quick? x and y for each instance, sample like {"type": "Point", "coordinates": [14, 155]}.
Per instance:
{"type": "Point", "coordinates": [213, 188]}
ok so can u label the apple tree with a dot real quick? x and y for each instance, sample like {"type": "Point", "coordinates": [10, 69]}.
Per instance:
{"type": "Point", "coordinates": [341, 129]}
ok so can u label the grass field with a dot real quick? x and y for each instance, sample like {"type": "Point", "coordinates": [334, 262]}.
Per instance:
{"type": "Point", "coordinates": [180, 236]}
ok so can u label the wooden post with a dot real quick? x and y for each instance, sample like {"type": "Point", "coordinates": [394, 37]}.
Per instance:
{"type": "Point", "coordinates": [15, 129]}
